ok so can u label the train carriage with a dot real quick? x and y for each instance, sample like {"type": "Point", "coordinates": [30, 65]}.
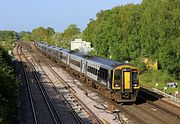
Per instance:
{"type": "Point", "coordinates": [75, 62]}
{"type": "Point", "coordinates": [117, 80]}
{"type": "Point", "coordinates": [65, 56]}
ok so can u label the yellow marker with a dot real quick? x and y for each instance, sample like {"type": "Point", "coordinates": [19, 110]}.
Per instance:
{"type": "Point", "coordinates": [127, 80]}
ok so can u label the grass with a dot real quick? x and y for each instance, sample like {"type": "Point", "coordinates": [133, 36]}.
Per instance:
{"type": "Point", "coordinates": [158, 79]}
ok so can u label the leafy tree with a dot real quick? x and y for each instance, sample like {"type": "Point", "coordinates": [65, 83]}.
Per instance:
{"type": "Point", "coordinates": [42, 34]}
{"type": "Point", "coordinates": [58, 38]}
{"type": "Point", "coordinates": [132, 32]}
{"type": "Point", "coordinates": [70, 34]}
{"type": "Point", "coordinates": [26, 36]}
{"type": "Point", "coordinates": [8, 81]}
{"type": "Point", "coordinates": [50, 31]}
{"type": "Point", "coordinates": [39, 34]}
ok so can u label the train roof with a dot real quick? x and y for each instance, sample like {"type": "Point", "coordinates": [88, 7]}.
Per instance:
{"type": "Point", "coordinates": [54, 47]}
{"type": "Point", "coordinates": [102, 61]}
{"type": "Point", "coordinates": [108, 63]}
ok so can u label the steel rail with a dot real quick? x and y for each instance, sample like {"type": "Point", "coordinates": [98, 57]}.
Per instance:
{"type": "Point", "coordinates": [75, 115]}
{"type": "Point", "coordinates": [80, 101]}
{"type": "Point", "coordinates": [160, 107]}
{"type": "Point", "coordinates": [46, 97]}
{"type": "Point", "coordinates": [28, 87]}
{"type": "Point", "coordinates": [72, 91]}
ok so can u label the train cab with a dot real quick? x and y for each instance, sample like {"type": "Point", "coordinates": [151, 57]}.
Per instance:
{"type": "Point", "coordinates": [125, 80]}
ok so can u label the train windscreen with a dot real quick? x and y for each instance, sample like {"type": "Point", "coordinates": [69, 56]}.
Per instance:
{"type": "Point", "coordinates": [117, 78]}
{"type": "Point", "coordinates": [135, 78]}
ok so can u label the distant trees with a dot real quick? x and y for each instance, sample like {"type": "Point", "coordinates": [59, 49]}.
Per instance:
{"type": "Point", "coordinates": [69, 34]}
{"type": "Point", "coordinates": [8, 35]}
{"type": "Point", "coordinates": [51, 37]}
{"type": "Point", "coordinates": [26, 36]}
{"type": "Point", "coordinates": [42, 34]}
{"type": "Point", "coordinates": [38, 34]}
{"type": "Point", "coordinates": [7, 38]}
{"type": "Point", "coordinates": [132, 32]}
{"type": "Point", "coordinates": [58, 39]}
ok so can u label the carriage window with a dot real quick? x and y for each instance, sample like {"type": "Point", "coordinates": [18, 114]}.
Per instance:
{"type": "Point", "coordinates": [74, 62]}
{"type": "Point", "coordinates": [117, 74]}
{"type": "Point", "coordinates": [135, 77]}
{"type": "Point", "coordinates": [92, 70]}
{"type": "Point", "coordinates": [117, 78]}
{"type": "Point", "coordinates": [95, 71]}
{"type": "Point", "coordinates": [103, 73]}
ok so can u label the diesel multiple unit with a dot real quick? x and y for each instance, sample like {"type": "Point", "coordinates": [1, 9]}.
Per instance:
{"type": "Point", "coordinates": [118, 81]}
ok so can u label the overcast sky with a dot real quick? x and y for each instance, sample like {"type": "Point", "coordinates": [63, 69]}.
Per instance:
{"type": "Point", "coordinates": [25, 15]}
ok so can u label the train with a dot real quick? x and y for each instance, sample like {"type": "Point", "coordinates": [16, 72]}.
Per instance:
{"type": "Point", "coordinates": [117, 81]}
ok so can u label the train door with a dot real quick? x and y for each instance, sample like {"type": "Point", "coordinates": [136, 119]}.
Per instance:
{"type": "Point", "coordinates": [68, 58]}
{"type": "Point", "coordinates": [126, 83]}
{"type": "Point", "coordinates": [84, 65]}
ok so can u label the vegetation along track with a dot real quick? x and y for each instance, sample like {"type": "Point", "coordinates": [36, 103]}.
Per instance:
{"type": "Point", "coordinates": [80, 102]}
{"type": "Point", "coordinates": [43, 108]}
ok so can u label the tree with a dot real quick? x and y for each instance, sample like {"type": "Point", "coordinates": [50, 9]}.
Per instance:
{"type": "Point", "coordinates": [70, 34]}
{"type": "Point", "coordinates": [58, 38]}
{"type": "Point", "coordinates": [42, 34]}
{"type": "Point", "coordinates": [39, 34]}
{"type": "Point", "coordinates": [132, 32]}
{"type": "Point", "coordinates": [26, 36]}
{"type": "Point", "coordinates": [8, 81]}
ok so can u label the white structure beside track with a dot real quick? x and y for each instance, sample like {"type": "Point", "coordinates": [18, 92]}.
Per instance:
{"type": "Point", "coordinates": [82, 46]}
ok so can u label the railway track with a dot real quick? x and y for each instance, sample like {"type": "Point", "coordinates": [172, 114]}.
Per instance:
{"type": "Point", "coordinates": [75, 115]}
{"type": "Point", "coordinates": [92, 115]}
{"type": "Point", "coordinates": [162, 105]}
{"type": "Point", "coordinates": [147, 112]}
{"type": "Point", "coordinates": [43, 112]}
{"type": "Point", "coordinates": [28, 87]}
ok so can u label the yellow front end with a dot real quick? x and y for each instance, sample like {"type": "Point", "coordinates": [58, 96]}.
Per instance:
{"type": "Point", "coordinates": [125, 82]}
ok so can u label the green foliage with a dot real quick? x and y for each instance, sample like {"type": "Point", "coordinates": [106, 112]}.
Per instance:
{"type": "Point", "coordinates": [156, 76]}
{"type": "Point", "coordinates": [26, 36]}
{"type": "Point", "coordinates": [8, 81]}
{"type": "Point", "coordinates": [151, 78]}
{"type": "Point", "coordinates": [92, 53]}
{"type": "Point", "coordinates": [8, 35]}
{"type": "Point", "coordinates": [132, 32]}
{"type": "Point", "coordinates": [89, 33]}
{"type": "Point", "coordinates": [8, 86]}
{"type": "Point", "coordinates": [69, 34]}
{"type": "Point", "coordinates": [42, 34]}
{"type": "Point", "coordinates": [7, 39]}
{"type": "Point", "coordinates": [59, 39]}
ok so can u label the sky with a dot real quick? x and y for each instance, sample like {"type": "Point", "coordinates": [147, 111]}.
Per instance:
{"type": "Point", "coordinates": [25, 15]}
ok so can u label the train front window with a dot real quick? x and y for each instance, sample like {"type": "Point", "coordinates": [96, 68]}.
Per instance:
{"type": "Point", "coordinates": [135, 78]}
{"type": "Point", "coordinates": [117, 78]}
